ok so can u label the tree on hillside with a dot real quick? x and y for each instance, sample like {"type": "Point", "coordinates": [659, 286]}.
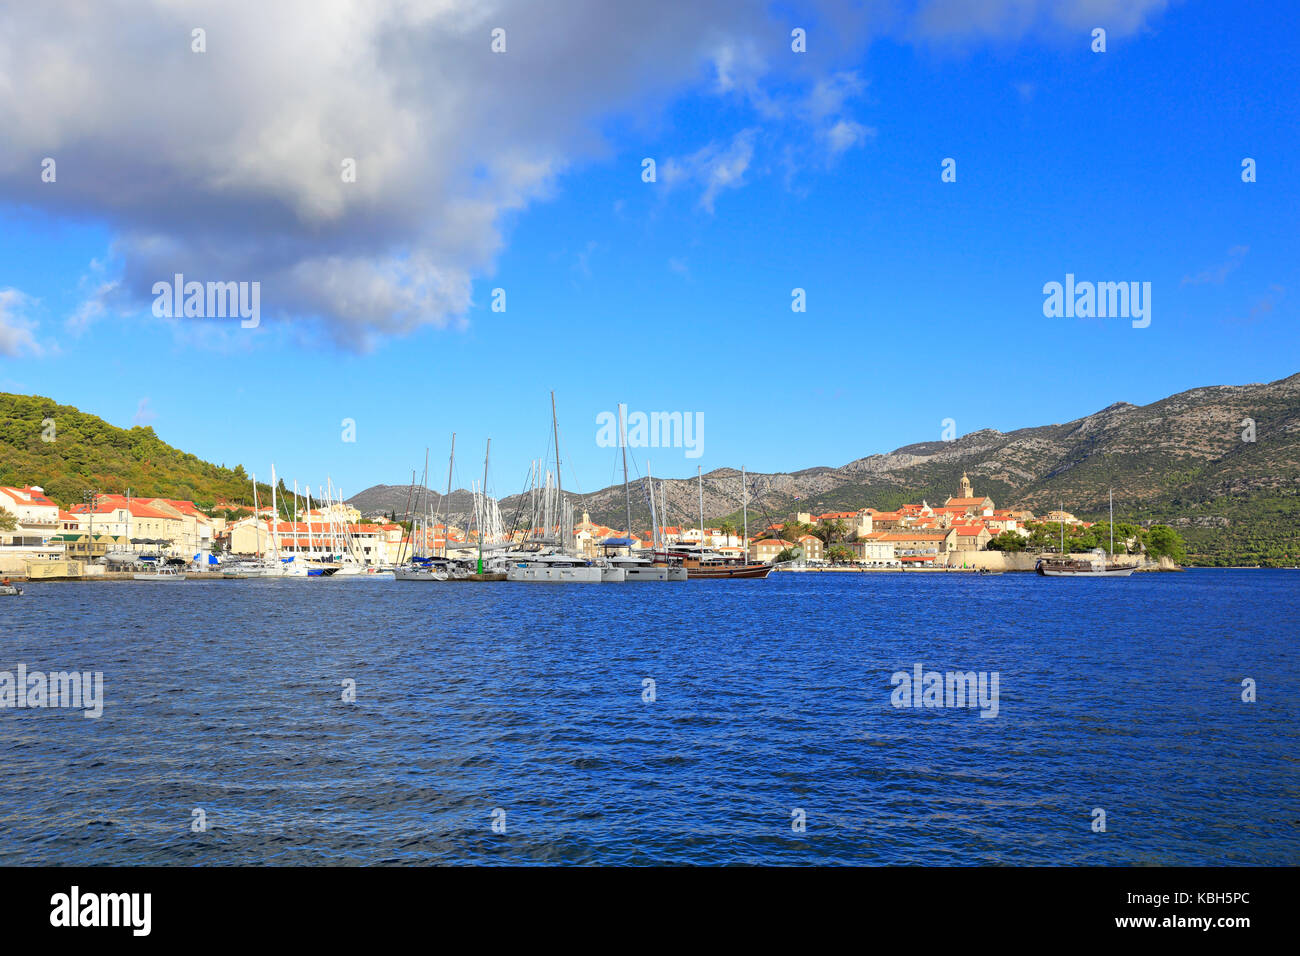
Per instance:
{"type": "Point", "coordinates": [1008, 541]}
{"type": "Point", "coordinates": [7, 521]}
{"type": "Point", "coordinates": [1164, 541]}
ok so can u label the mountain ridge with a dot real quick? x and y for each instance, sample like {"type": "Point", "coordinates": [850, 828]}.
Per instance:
{"type": "Point", "coordinates": [1181, 460]}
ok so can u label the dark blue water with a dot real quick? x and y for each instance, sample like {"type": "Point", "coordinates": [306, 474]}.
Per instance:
{"type": "Point", "coordinates": [771, 695]}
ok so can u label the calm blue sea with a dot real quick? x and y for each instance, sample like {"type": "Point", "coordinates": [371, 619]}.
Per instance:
{"type": "Point", "coordinates": [770, 697]}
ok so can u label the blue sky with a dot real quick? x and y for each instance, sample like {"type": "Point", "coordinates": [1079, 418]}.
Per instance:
{"type": "Point", "coordinates": [924, 299]}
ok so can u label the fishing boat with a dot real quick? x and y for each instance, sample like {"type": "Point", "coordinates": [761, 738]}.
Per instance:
{"type": "Point", "coordinates": [1094, 565]}
{"type": "Point", "coordinates": [10, 590]}
{"type": "Point", "coordinates": [160, 574]}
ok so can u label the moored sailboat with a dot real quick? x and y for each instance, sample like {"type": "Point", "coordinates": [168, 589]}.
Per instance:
{"type": "Point", "coordinates": [1094, 566]}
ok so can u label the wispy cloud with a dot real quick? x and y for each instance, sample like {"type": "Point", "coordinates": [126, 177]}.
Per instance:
{"type": "Point", "coordinates": [143, 413]}
{"type": "Point", "coordinates": [1218, 274]}
{"type": "Point", "coordinates": [1262, 307]}
{"type": "Point", "coordinates": [713, 168]}
{"type": "Point", "coordinates": [17, 332]}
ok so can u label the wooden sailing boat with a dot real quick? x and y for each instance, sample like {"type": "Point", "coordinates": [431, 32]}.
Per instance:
{"type": "Point", "coordinates": [1093, 566]}
{"type": "Point", "coordinates": [703, 563]}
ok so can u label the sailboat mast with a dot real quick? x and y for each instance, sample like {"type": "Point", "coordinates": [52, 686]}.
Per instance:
{"type": "Point", "coordinates": [627, 495]}
{"type": "Point", "coordinates": [559, 481]}
{"type": "Point", "coordinates": [275, 518]}
{"type": "Point", "coordinates": [1112, 522]}
{"type": "Point", "coordinates": [663, 516]}
{"type": "Point", "coordinates": [699, 474]}
{"type": "Point", "coordinates": [446, 525]}
{"type": "Point", "coordinates": [257, 521]}
{"type": "Point", "coordinates": [744, 508]}
{"type": "Point", "coordinates": [486, 455]}
{"type": "Point", "coordinates": [654, 517]}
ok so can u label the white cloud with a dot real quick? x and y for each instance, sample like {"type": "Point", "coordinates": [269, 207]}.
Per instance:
{"type": "Point", "coordinates": [964, 20]}
{"type": "Point", "coordinates": [226, 165]}
{"type": "Point", "coordinates": [17, 333]}
{"type": "Point", "coordinates": [713, 168]}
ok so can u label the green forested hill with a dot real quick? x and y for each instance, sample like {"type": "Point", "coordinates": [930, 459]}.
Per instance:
{"type": "Point", "coordinates": [88, 453]}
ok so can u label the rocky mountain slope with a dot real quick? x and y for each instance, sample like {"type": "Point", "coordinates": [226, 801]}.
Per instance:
{"type": "Point", "coordinates": [1182, 461]}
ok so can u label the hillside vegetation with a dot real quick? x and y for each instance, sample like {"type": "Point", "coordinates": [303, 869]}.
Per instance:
{"type": "Point", "coordinates": [87, 453]}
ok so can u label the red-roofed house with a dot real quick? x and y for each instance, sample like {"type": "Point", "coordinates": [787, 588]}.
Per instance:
{"type": "Point", "coordinates": [971, 537]}
{"type": "Point", "coordinates": [36, 522]}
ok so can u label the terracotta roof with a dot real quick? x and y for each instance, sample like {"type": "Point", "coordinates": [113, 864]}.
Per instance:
{"type": "Point", "coordinates": [26, 496]}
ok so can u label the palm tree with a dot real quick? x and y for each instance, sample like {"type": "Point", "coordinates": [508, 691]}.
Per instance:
{"type": "Point", "coordinates": [831, 531]}
{"type": "Point", "coordinates": [838, 554]}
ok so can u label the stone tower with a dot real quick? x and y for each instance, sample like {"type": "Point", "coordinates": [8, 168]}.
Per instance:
{"type": "Point", "coordinates": [965, 491]}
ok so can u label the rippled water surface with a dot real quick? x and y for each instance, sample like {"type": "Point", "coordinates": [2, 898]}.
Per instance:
{"type": "Point", "coordinates": [770, 696]}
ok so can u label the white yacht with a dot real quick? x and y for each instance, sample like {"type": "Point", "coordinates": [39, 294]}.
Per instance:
{"type": "Point", "coordinates": [555, 568]}
{"type": "Point", "coordinates": [160, 574]}
{"type": "Point", "coordinates": [643, 569]}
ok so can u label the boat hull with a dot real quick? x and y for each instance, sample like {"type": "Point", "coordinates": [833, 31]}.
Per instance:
{"type": "Point", "coordinates": [651, 574]}
{"type": "Point", "coordinates": [404, 575]}
{"type": "Point", "coordinates": [723, 573]}
{"type": "Point", "coordinates": [1093, 573]}
{"type": "Point", "coordinates": [549, 575]}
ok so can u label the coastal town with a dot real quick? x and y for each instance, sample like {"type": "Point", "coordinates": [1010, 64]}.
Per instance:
{"type": "Point", "coordinates": [40, 538]}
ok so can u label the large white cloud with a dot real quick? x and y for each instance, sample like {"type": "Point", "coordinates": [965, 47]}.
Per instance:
{"type": "Point", "coordinates": [225, 165]}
